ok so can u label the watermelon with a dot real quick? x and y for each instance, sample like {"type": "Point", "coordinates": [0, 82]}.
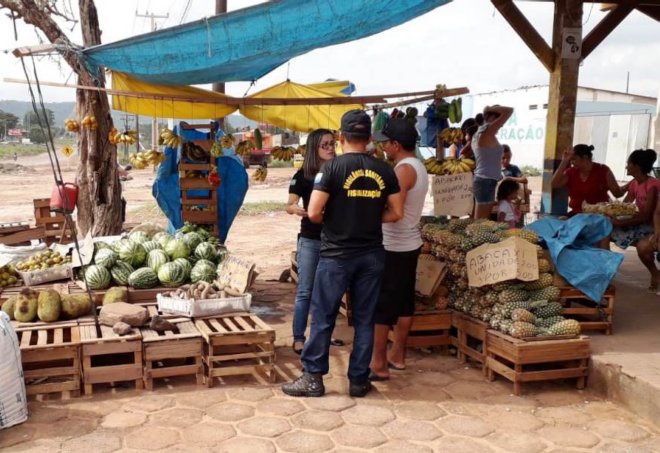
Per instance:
{"type": "Point", "coordinates": [138, 237]}
{"type": "Point", "coordinates": [187, 267]}
{"type": "Point", "coordinates": [105, 258]}
{"type": "Point", "coordinates": [205, 235]}
{"type": "Point", "coordinates": [97, 277]}
{"type": "Point", "coordinates": [156, 259]}
{"type": "Point", "coordinates": [192, 240]}
{"type": "Point", "coordinates": [148, 246]}
{"type": "Point", "coordinates": [172, 274]}
{"type": "Point", "coordinates": [101, 245]}
{"type": "Point", "coordinates": [177, 248]}
{"type": "Point", "coordinates": [134, 254]}
{"type": "Point", "coordinates": [203, 270]}
{"type": "Point", "coordinates": [163, 239]}
{"type": "Point", "coordinates": [120, 272]}
{"type": "Point", "coordinates": [205, 251]}
{"type": "Point", "coordinates": [143, 278]}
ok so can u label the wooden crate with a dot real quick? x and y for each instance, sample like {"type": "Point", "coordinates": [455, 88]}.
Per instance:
{"type": "Point", "coordinates": [471, 338]}
{"type": "Point", "coordinates": [53, 222]}
{"type": "Point", "coordinates": [20, 233]}
{"type": "Point", "coordinates": [109, 358]}
{"type": "Point", "coordinates": [591, 315]}
{"type": "Point", "coordinates": [189, 203]}
{"type": "Point", "coordinates": [234, 344]}
{"type": "Point", "coordinates": [168, 354]}
{"type": "Point", "coordinates": [50, 354]}
{"type": "Point", "coordinates": [522, 361]}
{"type": "Point", "coordinates": [429, 329]}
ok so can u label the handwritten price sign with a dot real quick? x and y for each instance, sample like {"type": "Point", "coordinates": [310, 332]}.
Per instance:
{"type": "Point", "coordinates": [506, 260]}
{"type": "Point", "coordinates": [452, 194]}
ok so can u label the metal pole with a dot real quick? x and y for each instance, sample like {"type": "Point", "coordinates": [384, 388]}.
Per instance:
{"type": "Point", "coordinates": [219, 87]}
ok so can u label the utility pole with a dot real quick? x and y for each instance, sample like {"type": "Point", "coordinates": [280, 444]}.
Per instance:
{"type": "Point", "coordinates": [154, 121]}
{"type": "Point", "coordinates": [219, 87]}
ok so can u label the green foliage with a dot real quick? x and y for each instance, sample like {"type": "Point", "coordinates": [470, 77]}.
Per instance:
{"type": "Point", "coordinates": [7, 121]}
{"type": "Point", "coordinates": [36, 135]}
{"type": "Point", "coordinates": [31, 120]}
{"type": "Point", "coordinates": [528, 170]}
{"type": "Point", "coordinates": [261, 207]}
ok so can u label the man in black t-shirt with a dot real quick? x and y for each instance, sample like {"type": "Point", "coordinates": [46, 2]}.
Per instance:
{"type": "Point", "coordinates": [353, 195]}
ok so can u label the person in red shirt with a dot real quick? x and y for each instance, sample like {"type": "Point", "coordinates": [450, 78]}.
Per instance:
{"type": "Point", "coordinates": [586, 180]}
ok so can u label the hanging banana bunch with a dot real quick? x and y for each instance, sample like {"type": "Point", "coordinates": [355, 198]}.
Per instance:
{"type": "Point", "coordinates": [71, 125]}
{"type": "Point", "coordinates": [170, 139]}
{"type": "Point", "coordinates": [111, 136]}
{"type": "Point", "coordinates": [67, 151]}
{"type": "Point", "coordinates": [89, 121]}
{"type": "Point", "coordinates": [452, 135]}
{"type": "Point", "coordinates": [260, 174]}
{"type": "Point", "coordinates": [127, 137]}
{"type": "Point", "coordinates": [284, 153]}
{"type": "Point", "coordinates": [227, 141]}
{"type": "Point", "coordinates": [449, 166]}
{"type": "Point", "coordinates": [245, 148]}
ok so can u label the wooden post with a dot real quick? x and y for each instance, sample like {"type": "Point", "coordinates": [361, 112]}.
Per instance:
{"type": "Point", "coordinates": [561, 103]}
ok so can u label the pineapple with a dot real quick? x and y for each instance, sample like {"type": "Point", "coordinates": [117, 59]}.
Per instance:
{"type": "Point", "coordinates": [458, 225]}
{"type": "Point", "coordinates": [492, 297]}
{"type": "Point", "coordinates": [486, 314]}
{"type": "Point", "coordinates": [505, 325]}
{"type": "Point", "coordinates": [513, 295]}
{"type": "Point", "coordinates": [426, 257]}
{"type": "Point", "coordinates": [495, 320]}
{"type": "Point", "coordinates": [542, 332]}
{"type": "Point", "coordinates": [547, 293]}
{"type": "Point", "coordinates": [544, 265]}
{"type": "Point", "coordinates": [543, 281]}
{"type": "Point", "coordinates": [566, 327]}
{"type": "Point", "coordinates": [520, 314]}
{"type": "Point", "coordinates": [521, 329]}
{"type": "Point", "coordinates": [549, 310]}
{"type": "Point", "coordinates": [508, 308]}
{"type": "Point", "coordinates": [547, 322]}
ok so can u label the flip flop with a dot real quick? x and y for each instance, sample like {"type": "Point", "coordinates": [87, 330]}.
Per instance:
{"type": "Point", "coordinates": [376, 377]}
{"type": "Point", "coordinates": [395, 367]}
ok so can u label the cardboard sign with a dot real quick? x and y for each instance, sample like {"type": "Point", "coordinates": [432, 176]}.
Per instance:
{"type": "Point", "coordinates": [237, 274]}
{"type": "Point", "coordinates": [452, 194]}
{"type": "Point", "coordinates": [509, 259]}
{"type": "Point", "coordinates": [86, 251]}
{"type": "Point", "coordinates": [429, 276]}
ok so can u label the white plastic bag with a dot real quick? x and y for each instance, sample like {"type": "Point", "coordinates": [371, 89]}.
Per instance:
{"type": "Point", "coordinates": [13, 402]}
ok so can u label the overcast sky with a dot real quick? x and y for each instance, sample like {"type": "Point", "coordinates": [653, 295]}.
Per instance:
{"type": "Point", "coordinates": [464, 43]}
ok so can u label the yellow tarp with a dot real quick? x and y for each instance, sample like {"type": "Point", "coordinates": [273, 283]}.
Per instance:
{"type": "Point", "coordinates": [167, 108]}
{"type": "Point", "coordinates": [303, 118]}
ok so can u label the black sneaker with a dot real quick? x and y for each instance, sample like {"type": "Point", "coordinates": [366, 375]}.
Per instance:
{"type": "Point", "coordinates": [306, 385]}
{"type": "Point", "coordinates": [359, 390]}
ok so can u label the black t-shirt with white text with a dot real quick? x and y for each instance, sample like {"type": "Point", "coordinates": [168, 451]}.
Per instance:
{"type": "Point", "coordinates": [303, 187]}
{"type": "Point", "coordinates": [358, 186]}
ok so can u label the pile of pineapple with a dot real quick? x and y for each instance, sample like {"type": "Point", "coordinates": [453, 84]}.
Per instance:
{"type": "Point", "coordinates": [520, 309]}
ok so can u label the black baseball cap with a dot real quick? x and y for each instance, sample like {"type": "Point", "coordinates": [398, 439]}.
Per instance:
{"type": "Point", "coordinates": [399, 129]}
{"type": "Point", "coordinates": [356, 122]}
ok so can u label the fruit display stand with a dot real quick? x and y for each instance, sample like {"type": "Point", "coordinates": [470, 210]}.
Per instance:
{"type": "Point", "coordinates": [50, 354]}
{"type": "Point", "coordinates": [20, 233]}
{"type": "Point", "coordinates": [471, 339]}
{"type": "Point", "coordinates": [429, 329]}
{"type": "Point", "coordinates": [236, 344]}
{"type": "Point", "coordinates": [169, 354]}
{"type": "Point", "coordinates": [108, 357]}
{"type": "Point", "coordinates": [56, 226]}
{"type": "Point", "coordinates": [201, 209]}
{"type": "Point", "coordinates": [520, 360]}
{"type": "Point", "coordinates": [591, 315]}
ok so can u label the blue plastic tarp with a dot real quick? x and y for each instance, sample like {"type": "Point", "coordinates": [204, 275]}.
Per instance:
{"type": "Point", "coordinates": [248, 43]}
{"type": "Point", "coordinates": [570, 244]}
{"type": "Point", "coordinates": [230, 194]}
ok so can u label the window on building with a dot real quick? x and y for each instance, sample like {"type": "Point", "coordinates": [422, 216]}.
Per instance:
{"type": "Point", "coordinates": [533, 106]}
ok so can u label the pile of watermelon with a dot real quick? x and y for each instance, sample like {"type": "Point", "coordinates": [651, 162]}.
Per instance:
{"type": "Point", "coordinates": [142, 261]}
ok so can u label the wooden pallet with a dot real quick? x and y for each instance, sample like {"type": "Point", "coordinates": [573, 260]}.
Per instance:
{"type": "Point", "coordinates": [50, 355]}
{"type": "Point", "coordinates": [55, 224]}
{"type": "Point", "coordinates": [591, 315]}
{"type": "Point", "coordinates": [236, 344]}
{"type": "Point", "coordinates": [168, 354]}
{"type": "Point", "coordinates": [471, 338]}
{"type": "Point", "coordinates": [20, 233]}
{"type": "Point", "coordinates": [429, 329]}
{"type": "Point", "coordinates": [109, 358]}
{"type": "Point", "coordinates": [208, 201]}
{"type": "Point", "coordinates": [522, 361]}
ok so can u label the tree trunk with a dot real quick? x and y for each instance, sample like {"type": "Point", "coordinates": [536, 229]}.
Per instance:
{"type": "Point", "coordinates": [99, 198]}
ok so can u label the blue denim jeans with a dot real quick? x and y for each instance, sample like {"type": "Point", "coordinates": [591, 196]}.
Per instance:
{"type": "Point", "coordinates": [307, 257]}
{"type": "Point", "coordinates": [362, 275]}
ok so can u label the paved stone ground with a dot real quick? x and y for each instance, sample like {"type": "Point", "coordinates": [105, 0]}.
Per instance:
{"type": "Point", "coordinates": [437, 404]}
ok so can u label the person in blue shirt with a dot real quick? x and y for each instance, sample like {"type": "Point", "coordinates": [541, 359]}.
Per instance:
{"type": "Point", "coordinates": [510, 171]}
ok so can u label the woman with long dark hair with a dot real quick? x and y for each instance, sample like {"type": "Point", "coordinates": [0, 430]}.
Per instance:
{"type": "Point", "coordinates": [320, 149]}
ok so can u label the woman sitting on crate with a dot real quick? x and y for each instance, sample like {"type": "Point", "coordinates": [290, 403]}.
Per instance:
{"type": "Point", "coordinates": [637, 230]}
{"type": "Point", "coordinates": [320, 149]}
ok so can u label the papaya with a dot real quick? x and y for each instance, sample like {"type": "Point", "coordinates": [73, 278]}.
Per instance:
{"type": "Point", "coordinates": [75, 305]}
{"type": "Point", "coordinates": [8, 306]}
{"type": "Point", "coordinates": [49, 305]}
{"type": "Point", "coordinates": [25, 309]}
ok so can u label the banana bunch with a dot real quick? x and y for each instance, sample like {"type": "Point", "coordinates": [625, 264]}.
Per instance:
{"type": "Point", "coordinates": [455, 113]}
{"type": "Point", "coordinates": [140, 161]}
{"type": "Point", "coordinates": [111, 136]}
{"type": "Point", "coordinates": [217, 149]}
{"type": "Point", "coordinates": [89, 121]}
{"type": "Point", "coordinates": [126, 137]}
{"type": "Point", "coordinates": [170, 139]}
{"type": "Point", "coordinates": [452, 135]}
{"type": "Point", "coordinates": [260, 174]}
{"type": "Point", "coordinates": [284, 153]}
{"type": "Point", "coordinates": [302, 149]}
{"type": "Point", "coordinates": [449, 166]}
{"type": "Point", "coordinates": [227, 141]}
{"type": "Point", "coordinates": [154, 157]}
{"type": "Point", "coordinates": [67, 151]}
{"type": "Point", "coordinates": [245, 148]}
{"type": "Point", "coordinates": [71, 125]}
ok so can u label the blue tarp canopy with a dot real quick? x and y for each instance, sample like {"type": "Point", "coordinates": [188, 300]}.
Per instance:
{"type": "Point", "coordinates": [248, 43]}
